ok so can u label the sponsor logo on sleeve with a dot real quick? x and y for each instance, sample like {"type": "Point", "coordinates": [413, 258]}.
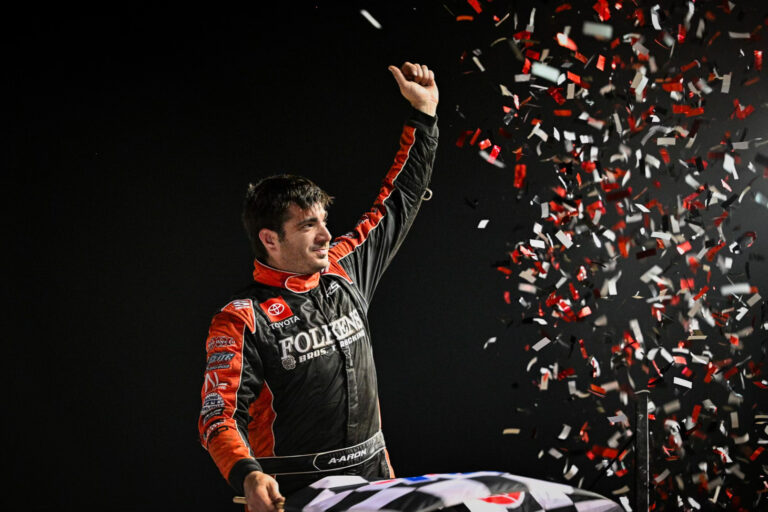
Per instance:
{"type": "Point", "coordinates": [219, 361]}
{"type": "Point", "coordinates": [219, 342]}
{"type": "Point", "coordinates": [210, 402]}
{"type": "Point", "coordinates": [212, 382]}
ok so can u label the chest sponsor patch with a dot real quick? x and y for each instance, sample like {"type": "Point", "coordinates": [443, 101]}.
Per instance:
{"type": "Point", "coordinates": [276, 309]}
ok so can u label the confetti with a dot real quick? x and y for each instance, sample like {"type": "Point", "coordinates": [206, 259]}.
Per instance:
{"type": "Point", "coordinates": [546, 72]}
{"type": "Point", "coordinates": [370, 19]}
{"type": "Point", "coordinates": [635, 145]}
{"type": "Point", "coordinates": [597, 30]}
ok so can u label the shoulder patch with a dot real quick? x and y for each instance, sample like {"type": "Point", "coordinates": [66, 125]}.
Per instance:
{"type": "Point", "coordinates": [242, 308]}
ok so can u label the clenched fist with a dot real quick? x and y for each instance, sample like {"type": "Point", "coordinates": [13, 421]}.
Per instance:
{"type": "Point", "coordinates": [417, 85]}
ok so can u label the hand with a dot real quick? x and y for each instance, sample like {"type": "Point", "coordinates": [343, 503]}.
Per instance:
{"type": "Point", "coordinates": [262, 493]}
{"type": "Point", "coordinates": [417, 85]}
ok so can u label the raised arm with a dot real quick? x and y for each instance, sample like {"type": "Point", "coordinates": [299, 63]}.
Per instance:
{"type": "Point", "coordinates": [364, 253]}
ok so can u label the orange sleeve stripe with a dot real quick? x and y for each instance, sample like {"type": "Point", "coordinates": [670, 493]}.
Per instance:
{"type": "Point", "coordinates": [218, 432]}
{"type": "Point", "coordinates": [260, 432]}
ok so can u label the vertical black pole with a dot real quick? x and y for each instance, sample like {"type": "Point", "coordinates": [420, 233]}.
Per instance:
{"type": "Point", "coordinates": [642, 461]}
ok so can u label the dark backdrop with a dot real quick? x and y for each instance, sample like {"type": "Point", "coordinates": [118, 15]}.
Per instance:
{"type": "Point", "coordinates": [132, 139]}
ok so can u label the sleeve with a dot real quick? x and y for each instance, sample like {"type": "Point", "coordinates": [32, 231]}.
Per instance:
{"type": "Point", "coordinates": [363, 254]}
{"type": "Point", "coordinates": [233, 376]}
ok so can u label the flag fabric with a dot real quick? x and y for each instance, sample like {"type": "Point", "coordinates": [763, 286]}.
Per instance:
{"type": "Point", "coordinates": [482, 491]}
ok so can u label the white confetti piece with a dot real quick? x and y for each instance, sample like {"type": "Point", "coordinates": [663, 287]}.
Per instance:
{"type": "Point", "coordinates": [482, 224]}
{"type": "Point", "coordinates": [370, 19]}
{"type": "Point", "coordinates": [543, 342]}
{"type": "Point", "coordinates": [545, 71]}
{"type": "Point", "coordinates": [564, 239]}
{"type": "Point", "coordinates": [735, 289]}
{"type": "Point", "coordinates": [597, 30]}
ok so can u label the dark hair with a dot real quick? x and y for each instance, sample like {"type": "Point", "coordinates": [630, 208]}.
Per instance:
{"type": "Point", "coordinates": [266, 205]}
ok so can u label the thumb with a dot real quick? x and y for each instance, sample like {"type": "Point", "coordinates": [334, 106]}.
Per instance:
{"type": "Point", "coordinates": [399, 78]}
{"type": "Point", "coordinates": [274, 491]}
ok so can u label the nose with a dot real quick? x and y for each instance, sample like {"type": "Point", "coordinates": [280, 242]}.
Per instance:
{"type": "Point", "coordinates": [324, 235]}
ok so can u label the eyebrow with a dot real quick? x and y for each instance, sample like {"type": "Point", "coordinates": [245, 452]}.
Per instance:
{"type": "Point", "coordinates": [311, 220]}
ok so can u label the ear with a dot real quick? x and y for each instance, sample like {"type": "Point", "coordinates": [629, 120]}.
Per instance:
{"type": "Point", "coordinates": [269, 238]}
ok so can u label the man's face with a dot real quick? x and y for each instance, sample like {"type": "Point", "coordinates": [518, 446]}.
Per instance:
{"type": "Point", "coordinates": [303, 249]}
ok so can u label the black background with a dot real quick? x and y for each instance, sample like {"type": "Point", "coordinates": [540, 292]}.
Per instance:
{"type": "Point", "coordinates": [133, 138]}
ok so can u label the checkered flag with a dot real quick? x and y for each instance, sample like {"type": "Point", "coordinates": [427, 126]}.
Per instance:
{"type": "Point", "coordinates": [483, 491]}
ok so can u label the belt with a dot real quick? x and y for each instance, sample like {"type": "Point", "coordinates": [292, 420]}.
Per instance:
{"type": "Point", "coordinates": [324, 461]}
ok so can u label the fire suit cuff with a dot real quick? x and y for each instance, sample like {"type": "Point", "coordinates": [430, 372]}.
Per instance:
{"type": "Point", "coordinates": [424, 121]}
{"type": "Point", "coordinates": [239, 471]}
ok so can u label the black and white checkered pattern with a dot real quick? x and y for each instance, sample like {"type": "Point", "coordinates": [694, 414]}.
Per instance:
{"type": "Point", "coordinates": [483, 491]}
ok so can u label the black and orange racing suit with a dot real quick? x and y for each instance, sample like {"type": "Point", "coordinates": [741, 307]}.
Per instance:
{"type": "Point", "coordinates": [290, 384]}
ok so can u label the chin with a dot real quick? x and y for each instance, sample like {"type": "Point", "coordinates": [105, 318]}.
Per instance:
{"type": "Point", "coordinates": [318, 266]}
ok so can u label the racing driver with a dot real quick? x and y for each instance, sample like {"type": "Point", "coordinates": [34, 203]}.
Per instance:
{"type": "Point", "coordinates": [290, 392]}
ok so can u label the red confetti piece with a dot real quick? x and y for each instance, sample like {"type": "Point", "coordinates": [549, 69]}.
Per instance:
{"type": "Point", "coordinates": [756, 453]}
{"type": "Point", "coordinates": [573, 77]}
{"type": "Point", "coordinates": [694, 63]}
{"type": "Point", "coordinates": [695, 414]}
{"type": "Point", "coordinates": [475, 5]}
{"type": "Point", "coordinates": [566, 42]}
{"type": "Point", "coordinates": [597, 390]}
{"type": "Point", "coordinates": [556, 93]}
{"type": "Point", "coordinates": [600, 64]}
{"type": "Point", "coordinates": [672, 86]}
{"type": "Point", "coordinates": [741, 112]}
{"type": "Point", "coordinates": [494, 154]}
{"type": "Point", "coordinates": [720, 219]}
{"type": "Point", "coordinates": [520, 172]}
{"type": "Point", "coordinates": [465, 17]}
{"type": "Point", "coordinates": [684, 247]}
{"type": "Point", "coordinates": [602, 9]}
{"type": "Point", "coordinates": [713, 251]}
{"type": "Point", "coordinates": [584, 354]}
{"type": "Point", "coordinates": [484, 144]}
{"type": "Point", "coordinates": [533, 54]}
{"type": "Point", "coordinates": [562, 113]}
{"type": "Point", "coordinates": [758, 60]}
{"type": "Point", "coordinates": [680, 34]}
{"type": "Point", "coordinates": [563, 7]}
{"type": "Point", "coordinates": [523, 34]}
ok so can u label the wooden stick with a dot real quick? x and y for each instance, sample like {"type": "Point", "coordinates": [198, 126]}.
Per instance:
{"type": "Point", "coordinates": [279, 503]}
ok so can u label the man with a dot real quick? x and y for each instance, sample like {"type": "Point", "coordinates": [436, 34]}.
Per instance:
{"type": "Point", "coordinates": [290, 386]}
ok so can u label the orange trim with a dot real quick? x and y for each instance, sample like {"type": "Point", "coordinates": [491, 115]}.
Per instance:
{"type": "Point", "coordinates": [219, 433]}
{"type": "Point", "coordinates": [273, 277]}
{"type": "Point", "coordinates": [260, 432]}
